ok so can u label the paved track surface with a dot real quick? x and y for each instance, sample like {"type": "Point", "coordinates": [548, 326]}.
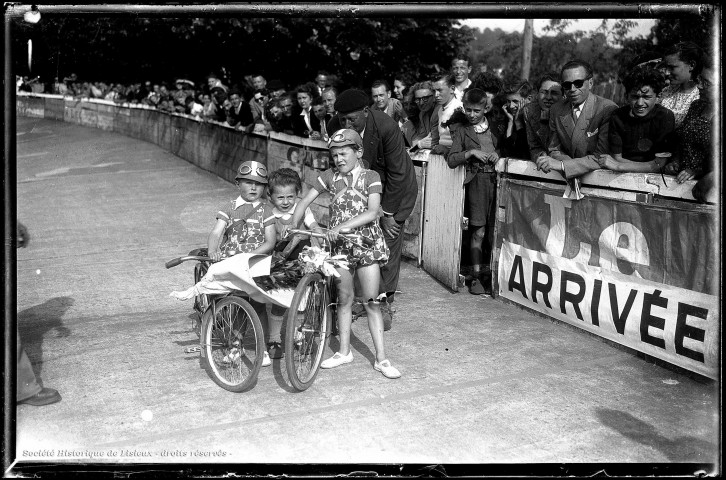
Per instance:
{"type": "Point", "coordinates": [483, 382]}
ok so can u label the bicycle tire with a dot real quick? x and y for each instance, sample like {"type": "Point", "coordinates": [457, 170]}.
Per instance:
{"type": "Point", "coordinates": [232, 344]}
{"type": "Point", "coordinates": [201, 302]}
{"type": "Point", "coordinates": [308, 330]}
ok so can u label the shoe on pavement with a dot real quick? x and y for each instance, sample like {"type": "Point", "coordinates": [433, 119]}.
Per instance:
{"type": "Point", "coordinates": [476, 287]}
{"type": "Point", "coordinates": [266, 362]}
{"type": "Point", "coordinates": [387, 369]}
{"type": "Point", "coordinates": [45, 397]}
{"type": "Point", "coordinates": [337, 360]}
{"type": "Point", "coordinates": [274, 349]}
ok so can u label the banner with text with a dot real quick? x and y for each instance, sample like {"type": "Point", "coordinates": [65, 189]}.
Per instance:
{"type": "Point", "coordinates": [642, 275]}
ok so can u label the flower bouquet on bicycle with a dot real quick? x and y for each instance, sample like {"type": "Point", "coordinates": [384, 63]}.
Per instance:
{"type": "Point", "coordinates": [231, 338]}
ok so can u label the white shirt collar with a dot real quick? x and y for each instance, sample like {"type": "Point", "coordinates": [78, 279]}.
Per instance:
{"type": "Point", "coordinates": [240, 201]}
{"type": "Point", "coordinates": [355, 172]}
{"type": "Point", "coordinates": [482, 127]}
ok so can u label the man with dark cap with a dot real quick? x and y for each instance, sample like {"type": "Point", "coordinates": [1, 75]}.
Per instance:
{"type": "Point", "coordinates": [383, 151]}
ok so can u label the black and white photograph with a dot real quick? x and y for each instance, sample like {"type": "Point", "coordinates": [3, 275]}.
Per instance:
{"type": "Point", "coordinates": [369, 239]}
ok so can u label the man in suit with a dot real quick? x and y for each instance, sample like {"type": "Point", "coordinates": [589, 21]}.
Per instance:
{"type": "Point", "coordinates": [239, 114]}
{"type": "Point", "coordinates": [382, 101]}
{"type": "Point", "coordinates": [578, 125]}
{"type": "Point", "coordinates": [383, 151]}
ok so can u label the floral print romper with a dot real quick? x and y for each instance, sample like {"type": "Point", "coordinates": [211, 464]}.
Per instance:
{"type": "Point", "coordinates": [348, 201]}
{"type": "Point", "coordinates": [245, 226]}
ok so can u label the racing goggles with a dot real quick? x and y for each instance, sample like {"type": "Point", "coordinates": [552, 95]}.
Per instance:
{"type": "Point", "coordinates": [252, 171]}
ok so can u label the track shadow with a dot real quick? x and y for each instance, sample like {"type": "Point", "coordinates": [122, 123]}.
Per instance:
{"type": "Point", "coordinates": [35, 323]}
{"type": "Point", "coordinates": [680, 449]}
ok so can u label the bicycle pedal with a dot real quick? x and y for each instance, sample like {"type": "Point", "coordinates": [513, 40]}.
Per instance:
{"type": "Point", "coordinates": [196, 349]}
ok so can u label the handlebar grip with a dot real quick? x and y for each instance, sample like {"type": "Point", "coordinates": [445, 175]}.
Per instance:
{"type": "Point", "coordinates": [173, 263]}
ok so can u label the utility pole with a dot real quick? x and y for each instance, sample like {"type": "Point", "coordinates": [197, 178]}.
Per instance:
{"type": "Point", "coordinates": [527, 47]}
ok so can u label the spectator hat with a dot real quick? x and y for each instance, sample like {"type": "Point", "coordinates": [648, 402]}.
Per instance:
{"type": "Point", "coordinates": [184, 81]}
{"type": "Point", "coordinates": [351, 101]}
{"type": "Point", "coordinates": [345, 136]}
{"type": "Point", "coordinates": [251, 170]}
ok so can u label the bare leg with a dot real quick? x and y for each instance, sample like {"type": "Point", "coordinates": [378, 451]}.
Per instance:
{"type": "Point", "coordinates": [369, 277]}
{"type": "Point", "coordinates": [344, 283]}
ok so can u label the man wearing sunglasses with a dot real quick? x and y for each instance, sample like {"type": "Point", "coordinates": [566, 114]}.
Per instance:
{"type": "Point", "coordinates": [258, 105]}
{"type": "Point", "coordinates": [578, 125]}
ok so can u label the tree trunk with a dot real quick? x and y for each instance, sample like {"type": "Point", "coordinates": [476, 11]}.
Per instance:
{"type": "Point", "coordinates": [527, 47]}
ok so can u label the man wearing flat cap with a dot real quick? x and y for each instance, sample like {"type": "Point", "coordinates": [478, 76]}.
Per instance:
{"type": "Point", "coordinates": [383, 151]}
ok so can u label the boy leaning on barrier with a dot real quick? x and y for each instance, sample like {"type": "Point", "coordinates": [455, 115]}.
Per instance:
{"type": "Point", "coordinates": [478, 147]}
{"type": "Point", "coordinates": [642, 132]}
{"type": "Point", "coordinates": [247, 225]}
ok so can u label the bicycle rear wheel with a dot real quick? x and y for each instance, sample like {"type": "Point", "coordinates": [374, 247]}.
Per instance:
{"type": "Point", "coordinates": [232, 344]}
{"type": "Point", "coordinates": [308, 330]}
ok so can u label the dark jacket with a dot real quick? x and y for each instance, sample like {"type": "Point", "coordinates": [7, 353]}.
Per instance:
{"type": "Point", "coordinates": [243, 116]}
{"type": "Point", "coordinates": [299, 126]}
{"type": "Point", "coordinates": [579, 143]}
{"type": "Point", "coordinates": [465, 138]}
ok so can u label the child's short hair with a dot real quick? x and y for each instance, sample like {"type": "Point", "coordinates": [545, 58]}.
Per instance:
{"type": "Point", "coordinates": [474, 96]}
{"type": "Point", "coordinates": [522, 87]}
{"type": "Point", "coordinates": [549, 76]}
{"type": "Point", "coordinates": [644, 76]}
{"type": "Point", "coordinates": [284, 177]}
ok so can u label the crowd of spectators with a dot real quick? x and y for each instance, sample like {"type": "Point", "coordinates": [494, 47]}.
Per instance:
{"type": "Point", "coordinates": [665, 106]}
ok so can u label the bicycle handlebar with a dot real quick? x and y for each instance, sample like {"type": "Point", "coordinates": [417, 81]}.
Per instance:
{"type": "Point", "coordinates": [351, 237]}
{"type": "Point", "coordinates": [178, 261]}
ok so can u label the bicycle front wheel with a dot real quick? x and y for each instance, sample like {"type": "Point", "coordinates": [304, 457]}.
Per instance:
{"type": "Point", "coordinates": [201, 302]}
{"type": "Point", "coordinates": [232, 344]}
{"type": "Point", "coordinates": [308, 329]}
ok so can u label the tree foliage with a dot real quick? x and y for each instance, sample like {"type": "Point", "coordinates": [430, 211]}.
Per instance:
{"type": "Point", "coordinates": [608, 48]}
{"type": "Point", "coordinates": [356, 50]}
{"type": "Point", "coordinates": [291, 49]}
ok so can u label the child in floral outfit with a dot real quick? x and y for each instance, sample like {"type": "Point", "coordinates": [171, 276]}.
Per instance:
{"type": "Point", "coordinates": [355, 201]}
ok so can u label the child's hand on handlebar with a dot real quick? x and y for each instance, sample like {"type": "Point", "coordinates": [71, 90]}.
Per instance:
{"type": "Point", "coordinates": [334, 232]}
{"type": "Point", "coordinates": [215, 256]}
